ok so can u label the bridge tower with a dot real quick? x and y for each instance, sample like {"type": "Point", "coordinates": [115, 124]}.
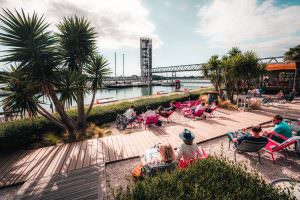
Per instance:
{"type": "Point", "coordinates": [146, 60]}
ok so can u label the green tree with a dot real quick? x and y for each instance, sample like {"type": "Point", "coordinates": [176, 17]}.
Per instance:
{"type": "Point", "coordinates": [293, 54]}
{"type": "Point", "coordinates": [235, 69]}
{"type": "Point", "coordinates": [213, 71]}
{"type": "Point", "coordinates": [48, 64]}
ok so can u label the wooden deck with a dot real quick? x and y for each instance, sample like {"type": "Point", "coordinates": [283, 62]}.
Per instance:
{"type": "Point", "coordinates": [33, 164]}
{"type": "Point", "coordinates": [55, 161]}
{"type": "Point", "coordinates": [86, 183]}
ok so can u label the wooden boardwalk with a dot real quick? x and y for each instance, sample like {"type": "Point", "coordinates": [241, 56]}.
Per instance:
{"type": "Point", "coordinates": [86, 183]}
{"type": "Point", "coordinates": [34, 164]}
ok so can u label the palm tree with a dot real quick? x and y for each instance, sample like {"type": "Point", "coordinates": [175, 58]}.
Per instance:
{"type": "Point", "coordinates": [294, 55]}
{"type": "Point", "coordinates": [47, 64]}
{"type": "Point", "coordinates": [96, 70]}
{"type": "Point", "coordinates": [31, 46]}
{"type": "Point", "coordinates": [212, 70]}
{"type": "Point", "coordinates": [77, 43]}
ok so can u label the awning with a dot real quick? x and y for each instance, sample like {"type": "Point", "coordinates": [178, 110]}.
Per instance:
{"type": "Point", "coordinates": [281, 66]}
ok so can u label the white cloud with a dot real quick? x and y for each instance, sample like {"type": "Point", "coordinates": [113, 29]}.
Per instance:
{"type": "Point", "coordinates": [249, 24]}
{"type": "Point", "coordinates": [119, 23]}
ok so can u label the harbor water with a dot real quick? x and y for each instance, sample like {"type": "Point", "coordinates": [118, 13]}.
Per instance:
{"type": "Point", "coordinates": [130, 92]}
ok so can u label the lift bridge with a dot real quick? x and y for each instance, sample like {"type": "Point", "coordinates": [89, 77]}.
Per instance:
{"type": "Point", "coordinates": [187, 68]}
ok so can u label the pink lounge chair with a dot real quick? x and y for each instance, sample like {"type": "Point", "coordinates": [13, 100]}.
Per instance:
{"type": "Point", "coordinates": [185, 164]}
{"type": "Point", "coordinates": [169, 115]}
{"type": "Point", "coordinates": [190, 114]}
{"type": "Point", "coordinates": [151, 120]}
{"type": "Point", "coordinates": [273, 147]}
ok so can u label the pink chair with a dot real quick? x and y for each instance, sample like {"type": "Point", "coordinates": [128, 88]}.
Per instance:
{"type": "Point", "coordinates": [190, 114]}
{"type": "Point", "coordinates": [150, 120]}
{"type": "Point", "coordinates": [185, 164]}
{"type": "Point", "coordinates": [273, 147]}
{"type": "Point", "coordinates": [169, 115]}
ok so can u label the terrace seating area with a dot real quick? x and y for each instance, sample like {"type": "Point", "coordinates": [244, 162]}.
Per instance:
{"type": "Point", "coordinates": [55, 162]}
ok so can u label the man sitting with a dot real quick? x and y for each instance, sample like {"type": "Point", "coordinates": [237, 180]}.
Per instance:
{"type": "Point", "coordinates": [254, 137]}
{"type": "Point", "coordinates": [280, 127]}
{"type": "Point", "coordinates": [130, 114]}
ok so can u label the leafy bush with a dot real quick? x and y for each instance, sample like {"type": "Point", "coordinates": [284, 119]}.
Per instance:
{"type": "Point", "coordinates": [23, 133]}
{"type": "Point", "coordinates": [212, 178]}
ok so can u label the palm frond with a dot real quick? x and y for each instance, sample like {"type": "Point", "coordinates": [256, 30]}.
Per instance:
{"type": "Point", "coordinates": [96, 70]}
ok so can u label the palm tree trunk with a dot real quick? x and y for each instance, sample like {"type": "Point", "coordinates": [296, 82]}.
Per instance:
{"type": "Point", "coordinates": [81, 120]}
{"type": "Point", "coordinates": [91, 104]}
{"type": "Point", "coordinates": [57, 123]}
{"type": "Point", "coordinates": [67, 121]}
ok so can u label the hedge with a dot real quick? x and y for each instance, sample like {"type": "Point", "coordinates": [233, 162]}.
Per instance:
{"type": "Point", "coordinates": [211, 178]}
{"type": "Point", "coordinates": [22, 134]}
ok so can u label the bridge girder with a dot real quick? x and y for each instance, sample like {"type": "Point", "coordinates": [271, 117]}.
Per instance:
{"type": "Point", "coordinates": [191, 67]}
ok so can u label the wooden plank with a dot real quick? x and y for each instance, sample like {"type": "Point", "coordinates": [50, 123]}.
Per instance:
{"type": "Point", "coordinates": [33, 164]}
{"type": "Point", "coordinates": [8, 164]}
{"type": "Point", "coordinates": [22, 170]}
{"type": "Point", "coordinates": [100, 152]}
{"type": "Point", "coordinates": [129, 142]}
{"type": "Point", "coordinates": [105, 147]}
{"type": "Point", "coordinates": [48, 159]}
{"type": "Point", "coordinates": [122, 147]}
{"type": "Point", "coordinates": [87, 155]}
{"type": "Point", "coordinates": [111, 149]}
{"type": "Point", "coordinates": [50, 170]}
{"type": "Point", "coordinates": [129, 149]}
{"type": "Point", "coordinates": [94, 152]}
{"type": "Point", "coordinates": [80, 159]}
{"type": "Point", "coordinates": [68, 158]}
{"type": "Point", "coordinates": [117, 148]}
{"type": "Point", "coordinates": [74, 156]}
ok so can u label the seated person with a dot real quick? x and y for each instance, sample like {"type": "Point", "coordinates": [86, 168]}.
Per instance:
{"type": "Point", "coordinates": [165, 112]}
{"type": "Point", "coordinates": [149, 113]}
{"type": "Point", "coordinates": [201, 106]}
{"type": "Point", "coordinates": [280, 95]}
{"type": "Point", "coordinates": [130, 114]}
{"type": "Point", "coordinates": [280, 127]}
{"type": "Point", "coordinates": [172, 106]}
{"type": "Point", "coordinates": [188, 150]}
{"type": "Point", "coordinates": [254, 137]}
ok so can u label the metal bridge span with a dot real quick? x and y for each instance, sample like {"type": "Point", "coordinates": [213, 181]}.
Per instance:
{"type": "Point", "coordinates": [187, 68]}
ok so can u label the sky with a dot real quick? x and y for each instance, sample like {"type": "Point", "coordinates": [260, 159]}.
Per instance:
{"type": "Point", "coordinates": [183, 31]}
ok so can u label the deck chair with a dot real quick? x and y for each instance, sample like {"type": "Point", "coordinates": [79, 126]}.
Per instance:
{"type": "Point", "coordinates": [151, 120]}
{"type": "Point", "coordinates": [169, 115]}
{"type": "Point", "coordinates": [190, 114]}
{"type": "Point", "coordinates": [250, 147]}
{"type": "Point", "coordinates": [273, 147]}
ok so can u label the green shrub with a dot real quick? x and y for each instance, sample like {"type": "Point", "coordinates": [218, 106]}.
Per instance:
{"type": "Point", "coordinates": [212, 178]}
{"type": "Point", "coordinates": [23, 133]}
